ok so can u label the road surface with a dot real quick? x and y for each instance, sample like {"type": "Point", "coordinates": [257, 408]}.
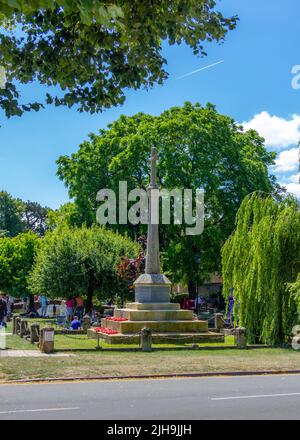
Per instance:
{"type": "Point", "coordinates": [247, 397]}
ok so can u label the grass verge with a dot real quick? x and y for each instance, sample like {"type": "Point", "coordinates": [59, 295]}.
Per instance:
{"type": "Point", "coordinates": [138, 363]}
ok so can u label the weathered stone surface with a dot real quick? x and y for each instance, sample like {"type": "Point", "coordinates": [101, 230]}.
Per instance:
{"type": "Point", "coordinates": [34, 333]}
{"type": "Point", "coordinates": [159, 338]}
{"type": "Point", "coordinates": [18, 325]}
{"type": "Point", "coordinates": [154, 315]}
{"type": "Point", "coordinates": [46, 343]}
{"type": "Point", "coordinates": [152, 257]}
{"type": "Point", "coordinates": [156, 326]}
{"type": "Point", "coordinates": [86, 322]}
{"type": "Point", "coordinates": [240, 337]}
{"type": "Point", "coordinates": [152, 288]}
{"type": "Point", "coordinates": [24, 331]}
{"type": "Point", "coordinates": [157, 279]}
{"type": "Point", "coordinates": [151, 293]}
{"type": "Point", "coordinates": [146, 339]}
{"type": "Point", "coordinates": [15, 324]}
{"type": "Point", "coordinates": [152, 306]}
{"type": "Point", "coordinates": [219, 322]}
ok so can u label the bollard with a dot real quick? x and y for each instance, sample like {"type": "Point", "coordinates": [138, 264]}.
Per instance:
{"type": "Point", "coordinates": [146, 339]}
{"type": "Point", "coordinates": [23, 328]}
{"type": "Point", "coordinates": [18, 325]}
{"type": "Point", "coordinates": [34, 333]}
{"type": "Point", "coordinates": [86, 324]}
{"type": "Point", "coordinates": [219, 322]}
{"type": "Point", "coordinates": [240, 337]}
{"type": "Point", "coordinates": [46, 343]}
{"type": "Point", "coordinates": [14, 329]}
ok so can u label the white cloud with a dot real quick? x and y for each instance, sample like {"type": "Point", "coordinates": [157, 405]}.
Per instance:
{"type": "Point", "coordinates": [293, 188]}
{"type": "Point", "coordinates": [278, 132]}
{"type": "Point", "coordinates": [287, 160]}
{"type": "Point", "coordinates": [292, 184]}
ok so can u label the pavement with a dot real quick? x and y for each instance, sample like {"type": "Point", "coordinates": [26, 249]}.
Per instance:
{"type": "Point", "coordinates": [225, 398]}
{"type": "Point", "coordinates": [30, 353]}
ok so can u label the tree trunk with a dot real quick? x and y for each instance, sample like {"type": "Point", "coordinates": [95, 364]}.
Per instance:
{"type": "Point", "coordinates": [192, 290]}
{"type": "Point", "coordinates": [89, 299]}
{"type": "Point", "coordinates": [31, 307]}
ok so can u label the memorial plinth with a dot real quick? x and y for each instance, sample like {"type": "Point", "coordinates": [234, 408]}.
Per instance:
{"type": "Point", "coordinates": [152, 307]}
{"type": "Point", "coordinates": [152, 288]}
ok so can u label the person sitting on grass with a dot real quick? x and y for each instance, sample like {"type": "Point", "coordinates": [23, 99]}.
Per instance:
{"type": "Point", "coordinates": [75, 324]}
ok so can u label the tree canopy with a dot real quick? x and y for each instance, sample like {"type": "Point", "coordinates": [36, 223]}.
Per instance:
{"type": "Point", "coordinates": [16, 260]}
{"type": "Point", "coordinates": [10, 215]}
{"type": "Point", "coordinates": [260, 260]}
{"type": "Point", "coordinates": [198, 148]}
{"type": "Point", "coordinates": [17, 216]}
{"type": "Point", "coordinates": [66, 215]}
{"type": "Point", "coordinates": [94, 50]}
{"type": "Point", "coordinates": [80, 261]}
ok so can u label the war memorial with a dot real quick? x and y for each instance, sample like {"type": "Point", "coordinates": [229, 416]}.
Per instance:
{"type": "Point", "coordinates": [152, 309]}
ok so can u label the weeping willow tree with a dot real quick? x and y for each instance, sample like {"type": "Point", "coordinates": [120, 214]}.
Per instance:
{"type": "Point", "coordinates": [294, 289]}
{"type": "Point", "coordinates": [260, 260]}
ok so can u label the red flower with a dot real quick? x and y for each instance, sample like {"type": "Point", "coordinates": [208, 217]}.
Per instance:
{"type": "Point", "coordinates": [115, 319]}
{"type": "Point", "coordinates": [106, 331]}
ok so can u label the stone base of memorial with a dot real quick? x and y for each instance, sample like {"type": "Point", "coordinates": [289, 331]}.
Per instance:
{"type": "Point", "coordinates": [168, 323]}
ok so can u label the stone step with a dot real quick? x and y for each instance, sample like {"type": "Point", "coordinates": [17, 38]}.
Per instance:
{"type": "Point", "coordinates": [152, 306]}
{"type": "Point", "coordinates": [156, 326]}
{"type": "Point", "coordinates": [154, 315]}
{"type": "Point", "coordinates": [160, 338]}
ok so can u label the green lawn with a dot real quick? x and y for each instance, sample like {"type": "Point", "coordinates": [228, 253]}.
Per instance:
{"type": "Point", "coordinates": [15, 342]}
{"type": "Point", "coordinates": [76, 342]}
{"type": "Point", "coordinates": [81, 341]}
{"type": "Point", "coordinates": [113, 363]}
{"type": "Point", "coordinates": [103, 363]}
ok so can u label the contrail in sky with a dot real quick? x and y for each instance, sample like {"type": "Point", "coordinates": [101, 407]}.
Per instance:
{"type": "Point", "coordinates": [199, 70]}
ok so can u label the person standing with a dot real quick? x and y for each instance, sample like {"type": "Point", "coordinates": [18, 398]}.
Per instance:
{"type": "Point", "coordinates": [25, 303]}
{"type": "Point", "coordinates": [3, 310]}
{"type": "Point", "coordinates": [10, 305]}
{"type": "Point", "coordinates": [63, 309]}
{"type": "Point", "coordinates": [198, 303]}
{"type": "Point", "coordinates": [79, 307]}
{"type": "Point", "coordinates": [70, 308]}
{"type": "Point", "coordinates": [44, 304]}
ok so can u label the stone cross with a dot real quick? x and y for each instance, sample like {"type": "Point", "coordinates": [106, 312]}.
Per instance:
{"type": "Point", "coordinates": [152, 257]}
{"type": "Point", "coordinates": [153, 161]}
{"type": "Point", "coordinates": [152, 286]}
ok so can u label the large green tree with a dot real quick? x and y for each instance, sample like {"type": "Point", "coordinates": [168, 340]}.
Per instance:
{"type": "Point", "coordinates": [11, 222]}
{"type": "Point", "coordinates": [16, 260]}
{"type": "Point", "coordinates": [260, 260]}
{"type": "Point", "coordinates": [198, 148]}
{"type": "Point", "coordinates": [80, 260]}
{"type": "Point", "coordinates": [94, 50]}
{"type": "Point", "coordinates": [17, 216]}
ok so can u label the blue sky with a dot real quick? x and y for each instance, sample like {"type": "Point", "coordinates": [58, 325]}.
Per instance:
{"type": "Point", "coordinates": [253, 85]}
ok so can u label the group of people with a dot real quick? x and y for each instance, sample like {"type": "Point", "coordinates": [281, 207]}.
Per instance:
{"type": "Point", "coordinates": [73, 310]}
{"type": "Point", "coordinates": [74, 307]}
